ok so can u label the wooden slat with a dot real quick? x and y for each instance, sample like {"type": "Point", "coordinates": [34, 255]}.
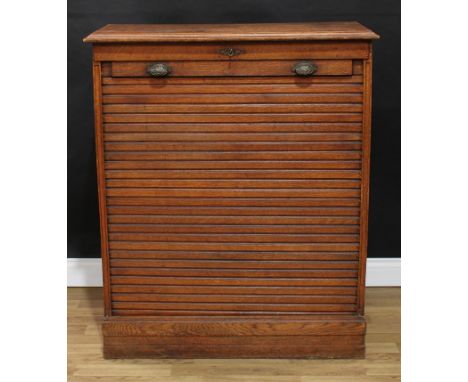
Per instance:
{"type": "Point", "coordinates": [181, 246]}
{"type": "Point", "coordinates": [233, 229]}
{"type": "Point", "coordinates": [234, 238]}
{"type": "Point", "coordinates": [289, 128]}
{"type": "Point", "coordinates": [234, 155]}
{"type": "Point", "coordinates": [229, 99]}
{"type": "Point", "coordinates": [233, 211]}
{"type": "Point", "coordinates": [230, 146]}
{"type": "Point", "coordinates": [251, 291]}
{"type": "Point", "coordinates": [246, 307]}
{"type": "Point", "coordinates": [226, 281]}
{"type": "Point", "coordinates": [107, 80]}
{"type": "Point", "coordinates": [234, 193]}
{"type": "Point", "coordinates": [337, 88]}
{"type": "Point", "coordinates": [233, 67]}
{"type": "Point", "coordinates": [195, 272]}
{"type": "Point", "coordinates": [233, 174]}
{"type": "Point", "coordinates": [242, 220]}
{"type": "Point", "coordinates": [236, 165]}
{"type": "Point", "coordinates": [233, 264]}
{"type": "Point", "coordinates": [228, 137]}
{"type": "Point", "coordinates": [235, 202]}
{"type": "Point", "coordinates": [235, 108]}
{"type": "Point", "coordinates": [232, 351]}
{"type": "Point", "coordinates": [243, 183]}
{"type": "Point", "coordinates": [220, 298]}
{"type": "Point", "coordinates": [234, 255]}
{"type": "Point", "coordinates": [240, 117]}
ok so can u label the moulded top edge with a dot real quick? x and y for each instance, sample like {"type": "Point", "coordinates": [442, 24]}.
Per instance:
{"type": "Point", "coordinates": [121, 33]}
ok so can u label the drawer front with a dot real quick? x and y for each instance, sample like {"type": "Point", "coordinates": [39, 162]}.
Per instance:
{"type": "Point", "coordinates": [323, 50]}
{"type": "Point", "coordinates": [233, 195]}
{"type": "Point", "coordinates": [232, 68]}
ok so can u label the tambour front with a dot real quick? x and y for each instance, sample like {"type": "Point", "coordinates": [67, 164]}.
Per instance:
{"type": "Point", "coordinates": [233, 174]}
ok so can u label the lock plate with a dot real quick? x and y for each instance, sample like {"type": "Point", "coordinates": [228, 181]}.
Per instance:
{"type": "Point", "coordinates": [231, 52]}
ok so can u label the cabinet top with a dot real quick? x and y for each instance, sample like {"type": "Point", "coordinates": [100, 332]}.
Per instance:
{"type": "Point", "coordinates": [119, 33]}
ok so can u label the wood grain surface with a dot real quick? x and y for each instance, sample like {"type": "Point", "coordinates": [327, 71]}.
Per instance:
{"type": "Point", "coordinates": [296, 50]}
{"type": "Point", "coordinates": [86, 363]}
{"type": "Point", "coordinates": [343, 30]}
{"type": "Point", "coordinates": [233, 188]}
{"type": "Point", "coordinates": [269, 174]}
{"type": "Point", "coordinates": [233, 68]}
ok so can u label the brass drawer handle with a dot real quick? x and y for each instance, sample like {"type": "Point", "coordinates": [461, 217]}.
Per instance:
{"type": "Point", "coordinates": [304, 68]}
{"type": "Point", "coordinates": [159, 69]}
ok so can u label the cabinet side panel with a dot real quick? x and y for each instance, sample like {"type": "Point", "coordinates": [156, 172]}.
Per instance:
{"type": "Point", "coordinates": [366, 147]}
{"type": "Point", "coordinates": [97, 93]}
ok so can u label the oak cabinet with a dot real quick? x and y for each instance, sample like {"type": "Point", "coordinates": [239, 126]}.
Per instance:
{"type": "Point", "coordinates": [233, 174]}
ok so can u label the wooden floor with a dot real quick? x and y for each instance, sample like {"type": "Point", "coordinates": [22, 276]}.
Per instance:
{"type": "Point", "coordinates": [382, 363]}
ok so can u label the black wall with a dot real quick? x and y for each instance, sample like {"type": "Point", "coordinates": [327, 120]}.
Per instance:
{"type": "Point", "coordinates": [383, 16]}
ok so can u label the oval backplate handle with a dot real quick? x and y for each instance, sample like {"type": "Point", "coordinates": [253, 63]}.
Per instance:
{"type": "Point", "coordinates": [304, 68]}
{"type": "Point", "coordinates": [159, 69]}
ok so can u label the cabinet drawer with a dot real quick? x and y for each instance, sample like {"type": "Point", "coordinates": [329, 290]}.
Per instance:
{"type": "Point", "coordinates": [232, 68]}
{"type": "Point", "coordinates": [323, 50]}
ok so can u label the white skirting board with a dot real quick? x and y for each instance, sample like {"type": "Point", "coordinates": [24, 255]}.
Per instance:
{"type": "Point", "coordinates": [88, 273]}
